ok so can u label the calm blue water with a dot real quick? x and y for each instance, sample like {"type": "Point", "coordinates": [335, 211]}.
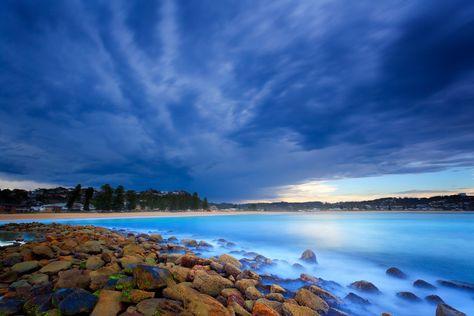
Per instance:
{"type": "Point", "coordinates": [349, 246]}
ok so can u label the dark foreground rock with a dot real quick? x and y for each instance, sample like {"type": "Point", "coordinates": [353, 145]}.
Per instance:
{"type": "Point", "coordinates": [446, 310]}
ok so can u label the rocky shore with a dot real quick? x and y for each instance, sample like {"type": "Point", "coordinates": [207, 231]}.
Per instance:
{"type": "Point", "coordinates": [81, 270]}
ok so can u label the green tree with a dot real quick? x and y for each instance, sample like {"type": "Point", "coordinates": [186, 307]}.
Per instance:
{"type": "Point", "coordinates": [74, 195]}
{"type": "Point", "coordinates": [205, 204]}
{"type": "Point", "coordinates": [119, 198]}
{"type": "Point", "coordinates": [87, 199]}
{"type": "Point", "coordinates": [195, 201]}
{"type": "Point", "coordinates": [104, 198]}
{"type": "Point", "coordinates": [132, 199]}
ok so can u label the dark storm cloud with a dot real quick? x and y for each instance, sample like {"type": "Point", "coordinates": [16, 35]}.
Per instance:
{"type": "Point", "coordinates": [232, 99]}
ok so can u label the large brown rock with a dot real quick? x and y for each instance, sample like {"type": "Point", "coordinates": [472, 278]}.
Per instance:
{"type": "Point", "coordinates": [56, 266]}
{"type": "Point", "coordinates": [26, 266]}
{"type": "Point", "coordinates": [73, 278]}
{"type": "Point", "coordinates": [225, 258]}
{"type": "Point", "coordinates": [307, 298]}
{"type": "Point", "coordinates": [94, 263]}
{"type": "Point", "coordinates": [297, 310]}
{"type": "Point", "coordinates": [160, 306]}
{"type": "Point", "coordinates": [365, 286]}
{"type": "Point", "coordinates": [211, 284]}
{"type": "Point", "coordinates": [260, 309]}
{"type": "Point", "coordinates": [43, 251]}
{"type": "Point", "coordinates": [243, 284]}
{"type": "Point", "coordinates": [194, 302]}
{"type": "Point", "coordinates": [308, 256]}
{"type": "Point", "coordinates": [109, 303]}
{"type": "Point", "coordinates": [152, 277]}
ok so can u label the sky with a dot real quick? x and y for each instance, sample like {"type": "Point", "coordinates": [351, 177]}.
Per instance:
{"type": "Point", "coordinates": [239, 100]}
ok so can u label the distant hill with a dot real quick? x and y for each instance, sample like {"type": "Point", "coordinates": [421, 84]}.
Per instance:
{"type": "Point", "coordinates": [450, 202]}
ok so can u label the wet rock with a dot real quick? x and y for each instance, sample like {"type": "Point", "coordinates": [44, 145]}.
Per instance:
{"type": "Point", "coordinates": [336, 312]}
{"type": "Point", "coordinates": [356, 299]}
{"type": "Point", "coordinates": [434, 299]}
{"type": "Point", "coordinates": [396, 273]}
{"type": "Point", "coordinates": [38, 305]}
{"type": "Point", "coordinates": [225, 258]}
{"type": "Point", "coordinates": [56, 266]}
{"type": "Point", "coordinates": [446, 310]}
{"type": "Point", "coordinates": [308, 278]}
{"type": "Point", "coordinates": [243, 284]}
{"type": "Point", "coordinates": [130, 262]}
{"type": "Point", "coordinates": [308, 256]}
{"type": "Point", "coordinates": [297, 266]}
{"type": "Point", "coordinates": [189, 242]}
{"type": "Point", "coordinates": [408, 296]}
{"type": "Point", "coordinates": [38, 278]}
{"type": "Point", "coordinates": [190, 261]}
{"type": "Point", "coordinates": [135, 296]}
{"type": "Point", "coordinates": [423, 285]}
{"type": "Point", "coordinates": [123, 282]}
{"type": "Point", "coordinates": [133, 250]}
{"type": "Point", "coordinates": [100, 277]}
{"type": "Point", "coordinates": [231, 269]}
{"type": "Point", "coordinates": [296, 310]}
{"type": "Point", "coordinates": [307, 298]}
{"type": "Point", "coordinates": [159, 306]}
{"type": "Point", "coordinates": [9, 276]}
{"type": "Point", "coordinates": [109, 303]}
{"type": "Point", "coordinates": [151, 277]}
{"type": "Point", "coordinates": [77, 302]}
{"type": "Point", "coordinates": [252, 293]}
{"type": "Point", "coordinates": [260, 309]}
{"type": "Point", "coordinates": [43, 251]}
{"type": "Point", "coordinates": [365, 286]}
{"type": "Point", "coordinates": [195, 302]}
{"type": "Point", "coordinates": [211, 284]}
{"type": "Point", "coordinates": [238, 309]}
{"type": "Point", "coordinates": [10, 306]}
{"type": "Point", "coordinates": [91, 246]}
{"type": "Point", "coordinates": [457, 285]}
{"type": "Point", "coordinates": [204, 244]}
{"type": "Point", "coordinates": [12, 259]}
{"type": "Point", "coordinates": [180, 274]}
{"type": "Point", "coordinates": [94, 263]}
{"type": "Point", "coordinates": [275, 288]}
{"type": "Point", "coordinates": [325, 295]}
{"type": "Point", "coordinates": [155, 238]}
{"type": "Point", "coordinates": [73, 278]}
{"type": "Point", "coordinates": [275, 297]}
{"type": "Point", "coordinates": [26, 267]}
{"type": "Point", "coordinates": [248, 274]}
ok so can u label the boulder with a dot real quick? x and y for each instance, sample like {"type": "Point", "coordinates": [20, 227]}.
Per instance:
{"type": "Point", "coordinates": [308, 256]}
{"type": "Point", "coordinates": [457, 285]}
{"type": "Point", "coordinates": [160, 306]}
{"type": "Point", "coordinates": [155, 238]}
{"type": "Point", "coordinates": [189, 242]}
{"type": "Point", "coordinates": [231, 269]}
{"type": "Point", "coordinates": [225, 258]}
{"type": "Point", "coordinates": [446, 310]}
{"type": "Point", "coordinates": [43, 251]}
{"type": "Point", "coordinates": [56, 266]}
{"type": "Point", "coordinates": [73, 278]}
{"type": "Point", "coordinates": [325, 295]}
{"type": "Point", "coordinates": [10, 306]}
{"type": "Point", "coordinates": [243, 284]}
{"type": "Point", "coordinates": [307, 298]}
{"type": "Point", "coordinates": [260, 309]}
{"type": "Point", "coordinates": [38, 278]}
{"type": "Point", "coordinates": [91, 246]}
{"type": "Point", "coordinates": [252, 293]}
{"type": "Point", "coordinates": [423, 285]}
{"type": "Point", "coordinates": [275, 288]}
{"type": "Point", "coordinates": [135, 296]}
{"type": "Point", "coordinates": [12, 259]}
{"type": "Point", "coordinates": [194, 302]}
{"type": "Point", "coordinates": [190, 261]}
{"type": "Point", "coordinates": [78, 301]}
{"type": "Point", "coordinates": [396, 273]}
{"type": "Point", "coordinates": [133, 250]}
{"type": "Point", "coordinates": [275, 297]}
{"type": "Point", "coordinates": [152, 277]}
{"type": "Point", "coordinates": [365, 286]}
{"type": "Point", "coordinates": [38, 305]}
{"type": "Point", "coordinates": [130, 262]}
{"type": "Point", "coordinates": [109, 303]}
{"type": "Point", "coordinates": [211, 284]}
{"type": "Point", "coordinates": [356, 299]}
{"type": "Point", "coordinates": [434, 299]}
{"type": "Point", "coordinates": [297, 310]}
{"type": "Point", "coordinates": [408, 296]}
{"type": "Point", "coordinates": [26, 266]}
{"type": "Point", "coordinates": [94, 263]}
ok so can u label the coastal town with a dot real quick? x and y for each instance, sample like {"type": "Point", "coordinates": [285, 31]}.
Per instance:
{"type": "Point", "coordinates": [107, 198]}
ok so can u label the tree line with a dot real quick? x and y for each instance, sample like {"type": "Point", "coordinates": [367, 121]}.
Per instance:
{"type": "Point", "coordinates": [118, 199]}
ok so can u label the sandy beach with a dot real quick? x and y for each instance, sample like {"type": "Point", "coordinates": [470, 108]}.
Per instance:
{"type": "Point", "coordinates": [43, 216]}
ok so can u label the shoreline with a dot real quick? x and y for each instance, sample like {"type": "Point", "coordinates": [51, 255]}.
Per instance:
{"type": "Point", "coordinates": [157, 214]}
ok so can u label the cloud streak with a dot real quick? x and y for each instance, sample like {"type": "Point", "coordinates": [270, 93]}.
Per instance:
{"type": "Point", "coordinates": [234, 100]}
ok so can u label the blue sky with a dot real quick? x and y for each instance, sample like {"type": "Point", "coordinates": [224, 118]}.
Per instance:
{"type": "Point", "coordinates": [239, 100]}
